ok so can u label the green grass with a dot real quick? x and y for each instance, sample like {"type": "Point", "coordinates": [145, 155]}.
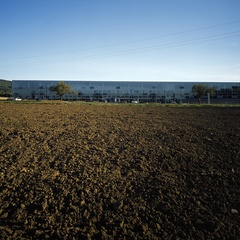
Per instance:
{"type": "Point", "coordinates": [4, 101]}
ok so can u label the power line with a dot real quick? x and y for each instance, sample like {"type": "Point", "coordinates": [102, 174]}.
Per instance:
{"type": "Point", "coordinates": [129, 42]}
{"type": "Point", "coordinates": [137, 50]}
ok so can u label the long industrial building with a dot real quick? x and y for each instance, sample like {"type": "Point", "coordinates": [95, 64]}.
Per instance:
{"type": "Point", "coordinates": [126, 91]}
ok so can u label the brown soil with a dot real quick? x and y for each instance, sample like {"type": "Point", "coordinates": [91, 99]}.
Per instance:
{"type": "Point", "coordinates": [75, 171]}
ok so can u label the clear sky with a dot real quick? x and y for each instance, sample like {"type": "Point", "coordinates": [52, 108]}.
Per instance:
{"type": "Point", "coordinates": [164, 40]}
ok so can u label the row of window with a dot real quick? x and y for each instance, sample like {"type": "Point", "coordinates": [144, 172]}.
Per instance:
{"type": "Point", "coordinates": [92, 87]}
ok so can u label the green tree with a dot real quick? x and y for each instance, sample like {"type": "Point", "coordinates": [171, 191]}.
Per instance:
{"type": "Point", "coordinates": [61, 88]}
{"type": "Point", "coordinates": [201, 90]}
{"type": "Point", "coordinates": [5, 88]}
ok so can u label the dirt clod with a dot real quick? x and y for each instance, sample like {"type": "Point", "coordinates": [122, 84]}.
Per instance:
{"type": "Point", "coordinates": [75, 171]}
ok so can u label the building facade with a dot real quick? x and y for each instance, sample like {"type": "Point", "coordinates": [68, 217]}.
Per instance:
{"type": "Point", "coordinates": [126, 91]}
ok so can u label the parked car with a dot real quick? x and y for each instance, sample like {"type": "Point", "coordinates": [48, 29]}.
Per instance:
{"type": "Point", "coordinates": [14, 99]}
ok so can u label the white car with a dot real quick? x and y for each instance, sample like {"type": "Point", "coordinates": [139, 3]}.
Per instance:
{"type": "Point", "coordinates": [18, 99]}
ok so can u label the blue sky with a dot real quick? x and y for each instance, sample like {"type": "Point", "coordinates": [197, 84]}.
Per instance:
{"type": "Point", "coordinates": [157, 40]}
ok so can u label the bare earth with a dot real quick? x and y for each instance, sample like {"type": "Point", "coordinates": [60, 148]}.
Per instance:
{"type": "Point", "coordinates": [78, 171]}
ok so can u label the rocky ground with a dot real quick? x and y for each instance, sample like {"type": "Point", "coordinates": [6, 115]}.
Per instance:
{"type": "Point", "coordinates": [87, 171]}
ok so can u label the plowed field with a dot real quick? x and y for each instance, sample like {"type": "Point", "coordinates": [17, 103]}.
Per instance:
{"type": "Point", "coordinates": [78, 171]}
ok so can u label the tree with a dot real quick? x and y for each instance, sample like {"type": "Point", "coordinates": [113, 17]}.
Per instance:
{"type": "Point", "coordinates": [201, 90]}
{"type": "Point", "coordinates": [5, 88]}
{"type": "Point", "coordinates": [61, 88]}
